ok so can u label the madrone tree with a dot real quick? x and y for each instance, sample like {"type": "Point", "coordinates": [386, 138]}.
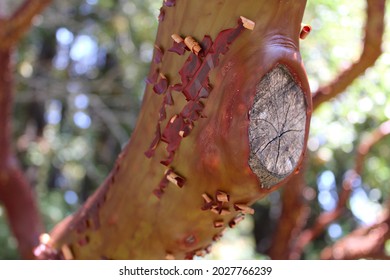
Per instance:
{"type": "Point", "coordinates": [224, 121]}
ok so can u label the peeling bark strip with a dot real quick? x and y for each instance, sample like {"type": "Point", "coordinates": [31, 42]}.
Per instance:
{"type": "Point", "coordinates": [305, 31]}
{"type": "Point", "coordinates": [169, 3]}
{"type": "Point", "coordinates": [277, 127]}
{"type": "Point", "coordinates": [195, 85]}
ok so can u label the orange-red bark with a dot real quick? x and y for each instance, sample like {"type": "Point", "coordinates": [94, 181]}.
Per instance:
{"type": "Point", "coordinates": [142, 212]}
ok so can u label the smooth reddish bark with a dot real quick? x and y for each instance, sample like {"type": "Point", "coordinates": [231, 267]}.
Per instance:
{"type": "Point", "coordinates": [143, 211]}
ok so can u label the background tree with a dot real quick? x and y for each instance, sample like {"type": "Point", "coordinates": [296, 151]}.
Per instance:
{"type": "Point", "coordinates": [83, 54]}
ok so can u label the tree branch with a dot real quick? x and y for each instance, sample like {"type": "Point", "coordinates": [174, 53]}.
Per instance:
{"type": "Point", "coordinates": [372, 139]}
{"type": "Point", "coordinates": [292, 200]}
{"type": "Point", "coordinates": [371, 51]}
{"type": "Point", "coordinates": [366, 242]}
{"type": "Point", "coordinates": [188, 177]}
{"type": "Point", "coordinates": [13, 28]}
{"type": "Point", "coordinates": [15, 192]}
{"type": "Point", "coordinates": [22, 211]}
{"type": "Point", "coordinates": [326, 218]}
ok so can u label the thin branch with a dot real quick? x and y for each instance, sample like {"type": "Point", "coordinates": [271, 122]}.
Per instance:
{"type": "Point", "coordinates": [13, 28]}
{"type": "Point", "coordinates": [371, 51]}
{"type": "Point", "coordinates": [366, 242]}
{"type": "Point", "coordinates": [326, 218]}
{"type": "Point", "coordinates": [372, 139]}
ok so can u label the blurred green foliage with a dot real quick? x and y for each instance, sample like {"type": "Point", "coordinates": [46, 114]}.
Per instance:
{"type": "Point", "coordinates": [79, 82]}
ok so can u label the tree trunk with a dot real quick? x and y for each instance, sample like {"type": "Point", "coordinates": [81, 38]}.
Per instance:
{"type": "Point", "coordinates": [223, 122]}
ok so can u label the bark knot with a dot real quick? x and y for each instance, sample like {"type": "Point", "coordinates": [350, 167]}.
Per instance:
{"type": "Point", "coordinates": [277, 122]}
